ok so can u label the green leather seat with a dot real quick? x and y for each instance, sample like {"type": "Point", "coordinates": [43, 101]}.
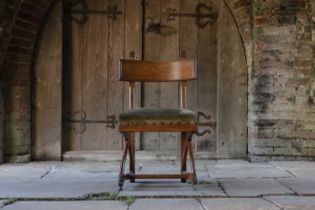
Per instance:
{"type": "Point", "coordinates": [158, 116]}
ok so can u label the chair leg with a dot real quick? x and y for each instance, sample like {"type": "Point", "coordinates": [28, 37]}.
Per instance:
{"type": "Point", "coordinates": [121, 178]}
{"type": "Point", "coordinates": [184, 144]}
{"type": "Point", "coordinates": [191, 156]}
{"type": "Point", "coordinates": [132, 150]}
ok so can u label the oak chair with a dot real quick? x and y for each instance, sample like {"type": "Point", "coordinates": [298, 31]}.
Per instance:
{"type": "Point", "coordinates": [157, 119]}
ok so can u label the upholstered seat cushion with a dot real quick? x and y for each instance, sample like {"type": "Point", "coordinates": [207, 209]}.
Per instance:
{"type": "Point", "coordinates": [158, 116]}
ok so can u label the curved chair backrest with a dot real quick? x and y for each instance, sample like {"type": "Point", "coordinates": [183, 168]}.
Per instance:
{"type": "Point", "coordinates": [157, 71]}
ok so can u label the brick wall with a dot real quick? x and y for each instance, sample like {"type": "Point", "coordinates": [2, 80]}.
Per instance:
{"type": "Point", "coordinates": [279, 42]}
{"type": "Point", "coordinates": [23, 22]}
{"type": "Point", "coordinates": [283, 112]}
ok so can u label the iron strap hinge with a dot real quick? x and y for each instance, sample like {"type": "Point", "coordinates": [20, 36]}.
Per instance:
{"type": "Point", "coordinates": [203, 16]}
{"type": "Point", "coordinates": [210, 124]}
{"type": "Point", "coordinates": [110, 122]}
{"type": "Point", "coordinates": [79, 11]}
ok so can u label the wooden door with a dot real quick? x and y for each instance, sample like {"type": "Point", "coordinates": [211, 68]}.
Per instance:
{"type": "Point", "coordinates": [177, 39]}
{"type": "Point", "coordinates": [90, 77]}
{"type": "Point", "coordinates": [92, 92]}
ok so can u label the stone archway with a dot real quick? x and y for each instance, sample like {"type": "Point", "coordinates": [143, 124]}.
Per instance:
{"type": "Point", "coordinates": [25, 19]}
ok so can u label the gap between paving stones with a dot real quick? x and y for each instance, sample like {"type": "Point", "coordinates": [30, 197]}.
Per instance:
{"type": "Point", "coordinates": [47, 172]}
{"type": "Point", "coordinates": [287, 186]}
{"type": "Point", "coordinates": [128, 204]}
{"type": "Point", "coordinates": [148, 197]}
{"type": "Point", "coordinates": [201, 204]}
{"type": "Point", "coordinates": [222, 188]}
{"type": "Point", "coordinates": [279, 168]}
{"type": "Point", "coordinates": [273, 203]}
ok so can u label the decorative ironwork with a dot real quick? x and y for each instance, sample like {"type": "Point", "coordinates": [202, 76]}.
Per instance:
{"type": "Point", "coordinates": [203, 16]}
{"type": "Point", "coordinates": [154, 27]}
{"type": "Point", "coordinates": [110, 121]}
{"type": "Point", "coordinates": [79, 11]}
{"type": "Point", "coordinates": [210, 124]}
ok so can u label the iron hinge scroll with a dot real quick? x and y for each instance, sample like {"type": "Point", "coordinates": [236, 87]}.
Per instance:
{"type": "Point", "coordinates": [204, 15]}
{"type": "Point", "coordinates": [78, 11]}
{"type": "Point", "coordinates": [210, 124]}
{"type": "Point", "coordinates": [110, 121]}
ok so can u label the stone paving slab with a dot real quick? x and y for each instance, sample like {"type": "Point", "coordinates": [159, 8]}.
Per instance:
{"type": "Point", "coordinates": [300, 169]}
{"type": "Point", "coordinates": [237, 204]}
{"type": "Point", "coordinates": [59, 187]}
{"type": "Point", "coordinates": [234, 164]}
{"type": "Point", "coordinates": [245, 172]}
{"type": "Point", "coordinates": [87, 167]}
{"type": "Point", "coordinates": [303, 173]}
{"type": "Point", "coordinates": [67, 205]}
{"type": "Point", "coordinates": [158, 188]}
{"type": "Point", "coordinates": [74, 179]}
{"type": "Point", "coordinates": [166, 166]}
{"type": "Point", "coordinates": [166, 204]}
{"type": "Point", "coordinates": [302, 186]}
{"type": "Point", "coordinates": [243, 169]}
{"type": "Point", "coordinates": [57, 179]}
{"type": "Point", "coordinates": [171, 188]}
{"type": "Point", "coordinates": [157, 167]}
{"type": "Point", "coordinates": [293, 202]}
{"type": "Point", "coordinates": [210, 189]}
{"type": "Point", "coordinates": [293, 164]}
{"type": "Point", "coordinates": [254, 187]}
{"type": "Point", "coordinates": [26, 171]}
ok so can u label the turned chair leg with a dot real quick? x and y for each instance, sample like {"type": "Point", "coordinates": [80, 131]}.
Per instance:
{"type": "Point", "coordinates": [121, 178]}
{"type": "Point", "coordinates": [184, 144]}
{"type": "Point", "coordinates": [132, 148]}
{"type": "Point", "coordinates": [191, 156]}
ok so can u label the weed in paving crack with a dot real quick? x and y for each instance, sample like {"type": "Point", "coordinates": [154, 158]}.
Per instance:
{"type": "Point", "coordinates": [9, 201]}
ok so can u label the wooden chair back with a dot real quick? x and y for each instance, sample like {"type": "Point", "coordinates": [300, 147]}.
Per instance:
{"type": "Point", "coordinates": [158, 71]}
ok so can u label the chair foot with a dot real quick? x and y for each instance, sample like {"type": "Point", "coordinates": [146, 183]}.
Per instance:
{"type": "Point", "coordinates": [121, 183]}
{"type": "Point", "coordinates": [132, 180]}
{"type": "Point", "coordinates": [194, 180]}
{"type": "Point", "coordinates": [183, 180]}
{"type": "Point", "coordinates": [121, 177]}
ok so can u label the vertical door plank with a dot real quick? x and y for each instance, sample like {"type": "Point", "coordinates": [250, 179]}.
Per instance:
{"type": "Point", "coordinates": [189, 50]}
{"type": "Point", "coordinates": [133, 43]}
{"type": "Point", "coordinates": [94, 76]}
{"type": "Point", "coordinates": [115, 93]}
{"type": "Point", "coordinates": [207, 79]}
{"type": "Point", "coordinates": [47, 117]}
{"type": "Point", "coordinates": [169, 51]}
{"type": "Point", "coordinates": [152, 91]}
{"type": "Point", "coordinates": [133, 48]}
{"type": "Point", "coordinates": [232, 90]}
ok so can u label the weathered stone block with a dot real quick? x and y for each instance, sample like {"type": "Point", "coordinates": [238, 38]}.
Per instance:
{"type": "Point", "coordinates": [1, 126]}
{"type": "Point", "coordinates": [17, 135]}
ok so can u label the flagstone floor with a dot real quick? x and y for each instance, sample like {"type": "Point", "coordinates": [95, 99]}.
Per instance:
{"type": "Point", "coordinates": [222, 184]}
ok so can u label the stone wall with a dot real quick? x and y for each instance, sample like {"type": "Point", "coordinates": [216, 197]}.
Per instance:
{"type": "Point", "coordinates": [2, 53]}
{"type": "Point", "coordinates": [283, 111]}
{"type": "Point", "coordinates": [279, 42]}
{"type": "Point", "coordinates": [23, 20]}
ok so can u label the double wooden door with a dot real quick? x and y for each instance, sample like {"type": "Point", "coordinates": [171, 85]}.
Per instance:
{"type": "Point", "coordinates": [93, 47]}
